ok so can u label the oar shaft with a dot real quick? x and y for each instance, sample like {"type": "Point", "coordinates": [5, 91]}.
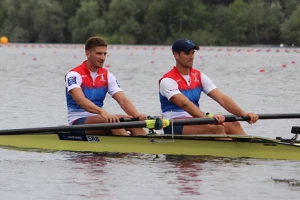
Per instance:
{"type": "Point", "coordinates": [233, 118]}
{"type": "Point", "coordinates": [137, 124]}
{"type": "Point", "coordinates": [195, 121]}
{"type": "Point", "coordinates": [280, 116]}
{"type": "Point", "coordinates": [141, 124]}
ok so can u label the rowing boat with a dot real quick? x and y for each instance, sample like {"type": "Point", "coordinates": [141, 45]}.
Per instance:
{"type": "Point", "coordinates": [204, 145]}
{"type": "Point", "coordinates": [62, 138]}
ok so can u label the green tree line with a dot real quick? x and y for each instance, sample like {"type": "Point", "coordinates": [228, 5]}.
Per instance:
{"type": "Point", "coordinates": [206, 22]}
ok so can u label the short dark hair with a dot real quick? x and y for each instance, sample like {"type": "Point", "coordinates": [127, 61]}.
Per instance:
{"type": "Point", "coordinates": [93, 42]}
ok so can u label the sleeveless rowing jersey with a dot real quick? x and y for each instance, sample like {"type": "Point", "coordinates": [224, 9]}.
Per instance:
{"type": "Point", "coordinates": [95, 86]}
{"type": "Point", "coordinates": [189, 85]}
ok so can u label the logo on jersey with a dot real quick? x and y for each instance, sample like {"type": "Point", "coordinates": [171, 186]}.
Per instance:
{"type": "Point", "coordinates": [117, 83]}
{"type": "Point", "coordinates": [102, 77]}
{"type": "Point", "coordinates": [172, 90]}
{"type": "Point", "coordinates": [72, 80]}
{"type": "Point", "coordinates": [195, 76]}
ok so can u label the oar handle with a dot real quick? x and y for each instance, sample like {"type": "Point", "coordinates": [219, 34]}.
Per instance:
{"type": "Point", "coordinates": [122, 119]}
{"type": "Point", "coordinates": [232, 118]}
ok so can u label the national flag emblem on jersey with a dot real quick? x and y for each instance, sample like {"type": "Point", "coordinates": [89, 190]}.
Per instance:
{"type": "Point", "coordinates": [72, 80]}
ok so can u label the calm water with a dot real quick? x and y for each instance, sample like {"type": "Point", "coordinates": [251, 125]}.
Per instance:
{"type": "Point", "coordinates": [32, 95]}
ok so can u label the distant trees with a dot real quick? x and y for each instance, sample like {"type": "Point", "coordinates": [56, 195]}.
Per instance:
{"type": "Point", "coordinates": [290, 28]}
{"type": "Point", "coordinates": [86, 21]}
{"type": "Point", "coordinates": [33, 21]}
{"type": "Point", "coordinates": [207, 22]}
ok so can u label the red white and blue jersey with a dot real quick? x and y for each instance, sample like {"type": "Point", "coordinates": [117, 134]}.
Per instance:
{"type": "Point", "coordinates": [191, 86]}
{"type": "Point", "coordinates": [95, 86]}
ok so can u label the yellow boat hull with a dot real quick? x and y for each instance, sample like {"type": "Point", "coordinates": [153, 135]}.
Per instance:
{"type": "Point", "coordinates": [210, 145]}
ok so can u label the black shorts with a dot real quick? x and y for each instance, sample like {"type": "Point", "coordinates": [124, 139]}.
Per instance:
{"type": "Point", "coordinates": [177, 130]}
{"type": "Point", "coordinates": [80, 121]}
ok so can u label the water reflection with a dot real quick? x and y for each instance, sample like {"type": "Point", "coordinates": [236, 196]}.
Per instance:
{"type": "Point", "coordinates": [188, 174]}
{"type": "Point", "coordinates": [192, 171]}
{"type": "Point", "coordinates": [185, 176]}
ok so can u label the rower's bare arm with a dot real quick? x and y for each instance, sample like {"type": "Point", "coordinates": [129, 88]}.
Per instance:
{"type": "Point", "coordinates": [184, 103]}
{"type": "Point", "coordinates": [226, 102]}
{"type": "Point", "coordinates": [85, 103]}
{"type": "Point", "coordinates": [126, 104]}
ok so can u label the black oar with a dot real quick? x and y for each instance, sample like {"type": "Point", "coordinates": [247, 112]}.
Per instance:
{"type": "Point", "coordinates": [52, 129]}
{"type": "Point", "coordinates": [140, 124]}
{"type": "Point", "coordinates": [233, 118]}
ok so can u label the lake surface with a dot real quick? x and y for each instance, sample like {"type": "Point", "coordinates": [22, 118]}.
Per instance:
{"type": "Point", "coordinates": [261, 80]}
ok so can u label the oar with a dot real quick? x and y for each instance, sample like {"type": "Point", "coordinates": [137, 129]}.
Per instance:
{"type": "Point", "coordinates": [124, 123]}
{"type": "Point", "coordinates": [233, 118]}
{"type": "Point", "coordinates": [140, 124]}
{"type": "Point", "coordinates": [53, 129]}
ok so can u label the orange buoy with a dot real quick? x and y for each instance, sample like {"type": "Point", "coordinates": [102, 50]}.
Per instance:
{"type": "Point", "coordinates": [3, 40]}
